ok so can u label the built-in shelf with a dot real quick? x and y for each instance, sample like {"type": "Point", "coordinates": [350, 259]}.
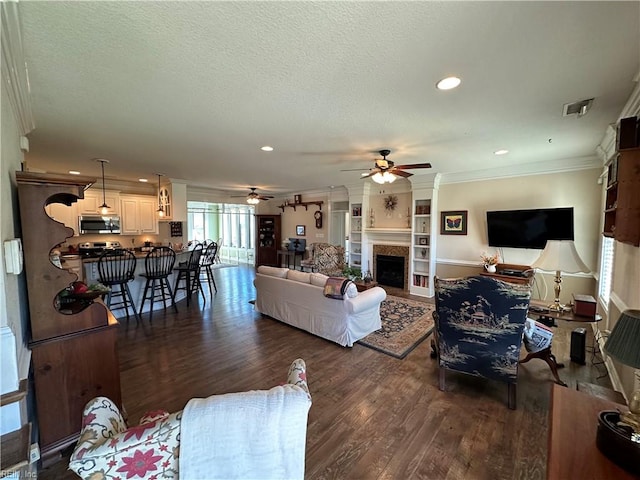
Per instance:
{"type": "Point", "coordinates": [389, 231]}
{"type": "Point", "coordinates": [319, 203]}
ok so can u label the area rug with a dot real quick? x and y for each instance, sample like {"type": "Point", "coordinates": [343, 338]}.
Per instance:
{"type": "Point", "coordinates": [405, 323]}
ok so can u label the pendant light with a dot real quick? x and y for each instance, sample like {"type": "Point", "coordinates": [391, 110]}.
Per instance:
{"type": "Point", "coordinates": [104, 208]}
{"type": "Point", "coordinates": [160, 210]}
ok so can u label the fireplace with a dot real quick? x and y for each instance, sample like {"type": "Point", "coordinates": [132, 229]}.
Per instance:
{"type": "Point", "coordinates": [391, 265]}
{"type": "Point", "coordinates": [390, 270]}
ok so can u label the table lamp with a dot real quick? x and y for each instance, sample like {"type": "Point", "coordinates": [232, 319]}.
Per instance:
{"type": "Point", "coordinates": [619, 433]}
{"type": "Point", "coordinates": [561, 256]}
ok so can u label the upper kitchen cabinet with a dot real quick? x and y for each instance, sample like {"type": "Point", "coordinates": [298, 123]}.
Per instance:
{"type": "Point", "coordinates": [173, 199]}
{"type": "Point", "coordinates": [138, 215]}
{"type": "Point", "coordinates": [65, 214]}
{"type": "Point", "coordinates": [90, 204]}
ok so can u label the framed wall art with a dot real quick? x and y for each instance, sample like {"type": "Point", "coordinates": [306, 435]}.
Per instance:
{"type": "Point", "coordinates": [300, 230]}
{"type": "Point", "coordinates": [453, 223]}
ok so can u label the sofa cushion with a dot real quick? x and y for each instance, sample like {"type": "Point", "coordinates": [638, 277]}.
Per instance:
{"type": "Point", "coordinates": [273, 271]}
{"type": "Point", "coordinates": [296, 276]}
{"type": "Point", "coordinates": [318, 279]}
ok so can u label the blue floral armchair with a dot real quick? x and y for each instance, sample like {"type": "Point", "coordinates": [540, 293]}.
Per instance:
{"type": "Point", "coordinates": [479, 325]}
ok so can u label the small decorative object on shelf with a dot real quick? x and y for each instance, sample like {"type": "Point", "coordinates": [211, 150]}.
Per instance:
{"type": "Point", "coordinates": [297, 199]}
{"type": "Point", "coordinates": [490, 261]}
{"type": "Point", "coordinates": [368, 277]}
{"type": "Point", "coordinates": [424, 227]}
{"type": "Point", "coordinates": [423, 252]}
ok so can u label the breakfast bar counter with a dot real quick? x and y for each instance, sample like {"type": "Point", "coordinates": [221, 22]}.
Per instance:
{"type": "Point", "coordinates": [136, 286]}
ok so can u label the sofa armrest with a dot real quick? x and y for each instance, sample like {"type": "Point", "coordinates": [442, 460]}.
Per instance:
{"type": "Point", "coordinates": [366, 300]}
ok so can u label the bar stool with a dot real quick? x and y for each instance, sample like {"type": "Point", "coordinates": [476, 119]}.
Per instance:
{"type": "Point", "coordinates": [206, 262]}
{"type": "Point", "coordinates": [158, 265]}
{"type": "Point", "coordinates": [190, 272]}
{"type": "Point", "coordinates": [115, 269]}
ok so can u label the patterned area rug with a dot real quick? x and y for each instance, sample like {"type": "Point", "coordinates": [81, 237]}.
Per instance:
{"type": "Point", "coordinates": [405, 323]}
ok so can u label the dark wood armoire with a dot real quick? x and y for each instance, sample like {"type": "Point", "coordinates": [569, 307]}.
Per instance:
{"type": "Point", "coordinates": [268, 240]}
{"type": "Point", "coordinates": [73, 340]}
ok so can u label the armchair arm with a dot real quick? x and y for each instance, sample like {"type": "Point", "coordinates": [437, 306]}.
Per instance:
{"type": "Point", "coordinates": [366, 300]}
{"type": "Point", "coordinates": [298, 375]}
{"type": "Point", "coordinates": [111, 450]}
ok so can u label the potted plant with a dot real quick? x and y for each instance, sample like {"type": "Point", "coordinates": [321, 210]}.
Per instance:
{"type": "Point", "coordinates": [352, 273]}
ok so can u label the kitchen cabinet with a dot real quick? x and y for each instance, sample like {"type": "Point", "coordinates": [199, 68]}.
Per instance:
{"type": "Point", "coordinates": [74, 352]}
{"type": "Point", "coordinates": [65, 214]}
{"type": "Point", "coordinates": [173, 198]}
{"type": "Point", "coordinates": [138, 215]}
{"type": "Point", "coordinates": [90, 204]}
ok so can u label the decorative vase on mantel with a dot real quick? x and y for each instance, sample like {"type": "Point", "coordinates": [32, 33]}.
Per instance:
{"type": "Point", "coordinates": [490, 268]}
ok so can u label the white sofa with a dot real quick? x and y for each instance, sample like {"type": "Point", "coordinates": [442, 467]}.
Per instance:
{"type": "Point", "coordinates": [297, 298]}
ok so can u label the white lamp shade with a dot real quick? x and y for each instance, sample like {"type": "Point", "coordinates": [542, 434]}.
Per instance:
{"type": "Point", "coordinates": [560, 255]}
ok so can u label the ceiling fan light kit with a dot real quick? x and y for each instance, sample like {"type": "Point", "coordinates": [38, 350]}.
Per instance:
{"type": "Point", "coordinates": [253, 198]}
{"type": "Point", "coordinates": [385, 171]}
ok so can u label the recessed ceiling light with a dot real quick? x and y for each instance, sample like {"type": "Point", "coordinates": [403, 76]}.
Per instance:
{"type": "Point", "coordinates": [74, 172]}
{"type": "Point", "coordinates": [266, 148]}
{"type": "Point", "coordinates": [501, 152]}
{"type": "Point", "coordinates": [143, 180]}
{"type": "Point", "coordinates": [448, 83]}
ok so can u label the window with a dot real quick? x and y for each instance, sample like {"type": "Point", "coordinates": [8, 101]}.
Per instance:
{"type": "Point", "coordinates": [606, 270]}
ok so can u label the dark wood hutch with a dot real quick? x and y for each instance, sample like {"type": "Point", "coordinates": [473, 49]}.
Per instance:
{"type": "Point", "coordinates": [73, 340]}
{"type": "Point", "coordinates": [268, 240]}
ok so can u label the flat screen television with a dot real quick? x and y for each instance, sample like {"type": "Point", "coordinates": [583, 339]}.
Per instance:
{"type": "Point", "coordinates": [529, 228]}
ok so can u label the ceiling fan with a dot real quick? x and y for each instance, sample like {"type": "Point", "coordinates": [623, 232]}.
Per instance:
{"type": "Point", "coordinates": [385, 171]}
{"type": "Point", "coordinates": [253, 197]}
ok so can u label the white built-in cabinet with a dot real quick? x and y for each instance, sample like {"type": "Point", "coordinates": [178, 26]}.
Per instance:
{"type": "Point", "coordinates": [423, 236]}
{"type": "Point", "coordinates": [355, 236]}
{"type": "Point", "coordinates": [138, 215]}
{"type": "Point", "coordinates": [90, 204]}
{"type": "Point", "coordinates": [67, 215]}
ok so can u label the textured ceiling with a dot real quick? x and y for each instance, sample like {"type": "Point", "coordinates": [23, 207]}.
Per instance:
{"type": "Point", "coordinates": [193, 89]}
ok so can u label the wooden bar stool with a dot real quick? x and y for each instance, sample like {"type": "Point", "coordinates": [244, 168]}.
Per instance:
{"type": "Point", "coordinates": [115, 269]}
{"type": "Point", "coordinates": [206, 262]}
{"type": "Point", "coordinates": [189, 271]}
{"type": "Point", "coordinates": [158, 265]}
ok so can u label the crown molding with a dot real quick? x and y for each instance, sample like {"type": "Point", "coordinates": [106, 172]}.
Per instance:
{"type": "Point", "coordinates": [632, 107]}
{"type": "Point", "coordinates": [14, 67]}
{"type": "Point", "coordinates": [540, 168]}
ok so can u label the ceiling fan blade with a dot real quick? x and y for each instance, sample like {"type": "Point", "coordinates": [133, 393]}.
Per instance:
{"type": "Point", "coordinates": [401, 173]}
{"type": "Point", "coordinates": [263, 197]}
{"type": "Point", "coordinates": [414, 165]}
{"type": "Point", "coordinates": [355, 170]}
{"type": "Point", "coordinates": [371, 173]}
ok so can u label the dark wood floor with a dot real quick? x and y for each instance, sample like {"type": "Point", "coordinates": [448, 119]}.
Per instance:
{"type": "Point", "coordinates": [373, 416]}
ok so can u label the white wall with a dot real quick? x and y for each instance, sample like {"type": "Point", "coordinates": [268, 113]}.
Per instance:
{"type": "Point", "coordinates": [13, 287]}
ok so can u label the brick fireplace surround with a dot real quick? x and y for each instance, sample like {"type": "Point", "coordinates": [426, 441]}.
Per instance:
{"type": "Point", "coordinates": [395, 251]}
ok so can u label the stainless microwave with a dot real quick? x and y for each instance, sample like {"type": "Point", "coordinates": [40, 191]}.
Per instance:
{"type": "Point", "coordinates": [99, 224]}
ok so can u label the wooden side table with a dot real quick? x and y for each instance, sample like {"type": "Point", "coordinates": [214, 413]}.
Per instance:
{"type": "Point", "coordinates": [573, 422]}
{"type": "Point", "coordinates": [361, 286]}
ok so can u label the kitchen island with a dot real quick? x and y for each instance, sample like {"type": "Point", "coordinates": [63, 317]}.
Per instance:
{"type": "Point", "coordinates": [136, 286]}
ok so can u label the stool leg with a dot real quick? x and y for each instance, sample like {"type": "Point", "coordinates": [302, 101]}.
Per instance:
{"type": "Point", "coordinates": [144, 297]}
{"type": "Point", "coordinates": [171, 295]}
{"type": "Point", "coordinates": [212, 279]}
{"type": "Point", "coordinates": [128, 294]}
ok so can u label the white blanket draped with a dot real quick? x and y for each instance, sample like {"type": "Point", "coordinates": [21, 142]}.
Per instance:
{"type": "Point", "coordinates": [260, 434]}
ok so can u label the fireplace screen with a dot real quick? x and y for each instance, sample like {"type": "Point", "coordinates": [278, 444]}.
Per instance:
{"type": "Point", "coordinates": [390, 270]}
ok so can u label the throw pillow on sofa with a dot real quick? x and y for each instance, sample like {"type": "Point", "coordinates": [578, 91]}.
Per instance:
{"type": "Point", "coordinates": [337, 287]}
